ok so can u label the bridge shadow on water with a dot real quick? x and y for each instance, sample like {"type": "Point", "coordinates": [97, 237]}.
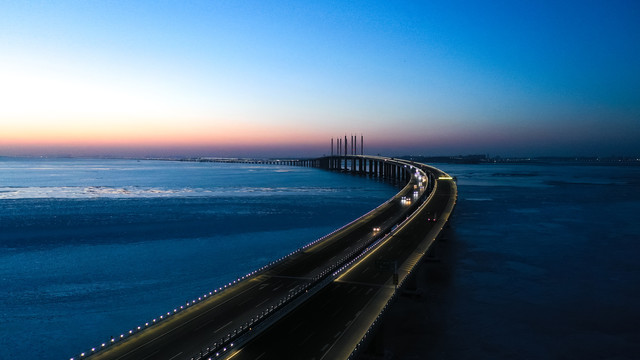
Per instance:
{"type": "Point", "coordinates": [536, 272]}
{"type": "Point", "coordinates": [416, 326]}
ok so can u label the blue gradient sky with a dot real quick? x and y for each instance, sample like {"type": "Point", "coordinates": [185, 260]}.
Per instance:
{"type": "Point", "coordinates": [280, 78]}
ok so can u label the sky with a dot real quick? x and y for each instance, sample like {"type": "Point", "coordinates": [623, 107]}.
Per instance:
{"type": "Point", "coordinates": [281, 78]}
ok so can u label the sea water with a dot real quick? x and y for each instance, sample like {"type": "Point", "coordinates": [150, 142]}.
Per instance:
{"type": "Point", "coordinates": [542, 262]}
{"type": "Point", "coordinates": [90, 249]}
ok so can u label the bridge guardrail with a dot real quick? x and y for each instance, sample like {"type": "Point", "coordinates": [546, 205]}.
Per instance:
{"type": "Point", "coordinates": [242, 329]}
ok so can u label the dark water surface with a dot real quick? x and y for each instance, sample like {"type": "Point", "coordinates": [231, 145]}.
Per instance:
{"type": "Point", "coordinates": [92, 248]}
{"type": "Point", "coordinates": [541, 262]}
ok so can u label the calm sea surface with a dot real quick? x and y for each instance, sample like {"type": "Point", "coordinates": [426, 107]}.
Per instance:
{"type": "Point", "coordinates": [92, 248]}
{"type": "Point", "coordinates": [542, 262]}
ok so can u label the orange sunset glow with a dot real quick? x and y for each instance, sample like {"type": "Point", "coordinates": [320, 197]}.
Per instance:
{"type": "Point", "coordinates": [222, 77]}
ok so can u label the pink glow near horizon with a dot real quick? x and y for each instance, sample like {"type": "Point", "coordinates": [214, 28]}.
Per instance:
{"type": "Point", "coordinates": [263, 142]}
{"type": "Point", "coordinates": [237, 78]}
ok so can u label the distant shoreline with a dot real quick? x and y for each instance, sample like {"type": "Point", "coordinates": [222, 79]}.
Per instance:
{"type": "Point", "coordinates": [547, 160]}
{"type": "Point", "coordinates": [457, 159]}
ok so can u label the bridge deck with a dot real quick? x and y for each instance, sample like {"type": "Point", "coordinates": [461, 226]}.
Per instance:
{"type": "Point", "coordinates": [239, 308]}
{"type": "Point", "coordinates": [333, 322]}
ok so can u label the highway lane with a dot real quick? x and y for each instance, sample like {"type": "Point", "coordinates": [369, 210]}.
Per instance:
{"type": "Point", "coordinates": [217, 319]}
{"type": "Point", "coordinates": [331, 324]}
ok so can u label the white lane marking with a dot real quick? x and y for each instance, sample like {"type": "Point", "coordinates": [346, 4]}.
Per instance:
{"type": "Point", "coordinates": [293, 329]}
{"type": "Point", "coordinates": [267, 299]}
{"type": "Point", "coordinates": [224, 326]}
{"type": "Point", "coordinates": [183, 324]}
{"type": "Point", "coordinates": [151, 355]}
{"type": "Point", "coordinates": [368, 291]}
{"type": "Point", "coordinates": [306, 339]}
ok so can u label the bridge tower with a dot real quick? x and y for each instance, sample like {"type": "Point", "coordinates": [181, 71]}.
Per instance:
{"type": "Point", "coordinates": [345, 147]}
{"type": "Point", "coordinates": [355, 145]}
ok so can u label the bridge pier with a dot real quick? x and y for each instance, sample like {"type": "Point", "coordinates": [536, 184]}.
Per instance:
{"type": "Point", "coordinates": [432, 253]}
{"type": "Point", "coordinates": [345, 162]}
{"type": "Point", "coordinates": [354, 164]}
{"type": "Point", "coordinates": [375, 348]}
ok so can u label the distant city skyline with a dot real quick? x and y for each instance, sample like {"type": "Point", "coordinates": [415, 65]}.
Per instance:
{"type": "Point", "coordinates": [281, 78]}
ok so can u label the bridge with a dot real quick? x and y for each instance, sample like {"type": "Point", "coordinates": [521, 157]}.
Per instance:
{"type": "Point", "coordinates": [322, 301]}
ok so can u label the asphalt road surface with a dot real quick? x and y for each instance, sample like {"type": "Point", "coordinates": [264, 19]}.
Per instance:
{"type": "Point", "coordinates": [331, 323]}
{"type": "Point", "coordinates": [214, 321]}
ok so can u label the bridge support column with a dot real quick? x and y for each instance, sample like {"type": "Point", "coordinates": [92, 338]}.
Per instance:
{"type": "Point", "coordinates": [410, 287]}
{"type": "Point", "coordinates": [432, 253]}
{"type": "Point", "coordinates": [375, 349]}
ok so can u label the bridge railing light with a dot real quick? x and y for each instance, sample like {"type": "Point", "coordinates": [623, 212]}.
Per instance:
{"type": "Point", "coordinates": [419, 173]}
